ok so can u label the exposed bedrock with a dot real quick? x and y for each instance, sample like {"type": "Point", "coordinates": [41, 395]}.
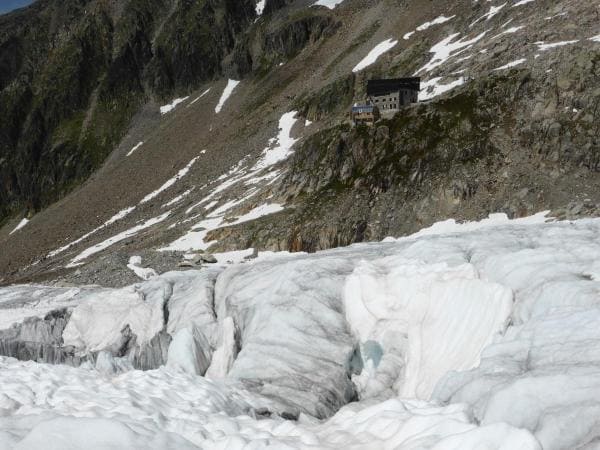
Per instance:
{"type": "Point", "coordinates": [74, 73]}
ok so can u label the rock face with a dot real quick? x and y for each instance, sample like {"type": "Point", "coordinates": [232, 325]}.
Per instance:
{"type": "Point", "coordinates": [74, 73]}
{"type": "Point", "coordinates": [483, 149]}
{"type": "Point", "coordinates": [102, 62]}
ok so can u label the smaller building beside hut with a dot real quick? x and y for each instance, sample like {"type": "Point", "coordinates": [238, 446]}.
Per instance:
{"type": "Point", "coordinates": [365, 114]}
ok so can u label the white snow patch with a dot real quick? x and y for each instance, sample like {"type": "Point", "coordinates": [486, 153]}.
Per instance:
{"type": "Point", "coordinates": [259, 211]}
{"type": "Point", "coordinates": [512, 64]}
{"type": "Point", "coordinates": [182, 173]}
{"type": "Point", "coordinates": [145, 273]}
{"type": "Point", "coordinates": [542, 46]}
{"type": "Point", "coordinates": [231, 85]}
{"type": "Point", "coordinates": [118, 216]}
{"type": "Point", "coordinates": [513, 29]}
{"type": "Point", "coordinates": [178, 198]}
{"type": "Point", "coordinates": [375, 53]}
{"type": "Point", "coordinates": [260, 7]}
{"type": "Point", "coordinates": [437, 21]}
{"type": "Point", "coordinates": [211, 205]}
{"type": "Point", "coordinates": [229, 182]}
{"type": "Point", "coordinates": [328, 3]}
{"type": "Point", "coordinates": [20, 225]}
{"type": "Point", "coordinates": [463, 58]}
{"type": "Point", "coordinates": [445, 49]}
{"type": "Point", "coordinates": [261, 173]}
{"type": "Point", "coordinates": [281, 147]}
{"type": "Point", "coordinates": [117, 238]}
{"type": "Point", "coordinates": [432, 88]}
{"type": "Point", "coordinates": [595, 38]}
{"type": "Point", "coordinates": [135, 147]}
{"type": "Point", "coordinates": [199, 97]}
{"type": "Point", "coordinates": [194, 239]}
{"type": "Point", "coordinates": [491, 13]}
{"type": "Point", "coordinates": [510, 30]}
{"type": "Point", "coordinates": [522, 2]}
{"type": "Point", "coordinates": [171, 106]}
{"type": "Point", "coordinates": [556, 15]}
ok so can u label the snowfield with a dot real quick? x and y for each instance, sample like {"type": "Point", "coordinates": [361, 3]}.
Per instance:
{"type": "Point", "coordinates": [20, 225]}
{"type": "Point", "coordinates": [263, 172]}
{"type": "Point", "coordinates": [374, 54]}
{"type": "Point", "coordinates": [231, 85]}
{"type": "Point", "coordinates": [462, 336]}
{"type": "Point", "coordinates": [171, 106]}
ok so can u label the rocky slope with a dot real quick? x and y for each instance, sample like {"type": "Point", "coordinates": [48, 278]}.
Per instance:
{"type": "Point", "coordinates": [73, 74]}
{"type": "Point", "coordinates": [507, 122]}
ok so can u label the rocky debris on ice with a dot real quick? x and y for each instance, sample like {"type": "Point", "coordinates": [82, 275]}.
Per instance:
{"type": "Point", "coordinates": [145, 273]}
{"type": "Point", "coordinates": [110, 270]}
{"type": "Point", "coordinates": [205, 258]}
{"type": "Point", "coordinates": [186, 264]}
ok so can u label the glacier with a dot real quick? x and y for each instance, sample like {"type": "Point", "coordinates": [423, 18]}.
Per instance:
{"type": "Point", "coordinates": [462, 336]}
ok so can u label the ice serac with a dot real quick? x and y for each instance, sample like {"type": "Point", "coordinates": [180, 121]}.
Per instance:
{"type": "Point", "coordinates": [39, 339]}
{"type": "Point", "coordinates": [294, 340]}
{"type": "Point", "coordinates": [190, 351]}
{"type": "Point", "coordinates": [544, 373]}
{"type": "Point", "coordinates": [119, 328]}
{"type": "Point", "coordinates": [32, 320]}
{"type": "Point", "coordinates": [226, 351]}
{"type": "Point", "coordinates": [426, 319]}
{"type": "Point", "coordinates": [138, 322]}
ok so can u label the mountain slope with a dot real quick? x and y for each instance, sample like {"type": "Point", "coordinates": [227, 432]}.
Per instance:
{"type": "Point", "coordinates": [515, 131]}
{"type": "Point", "coordinates": [99, 61]}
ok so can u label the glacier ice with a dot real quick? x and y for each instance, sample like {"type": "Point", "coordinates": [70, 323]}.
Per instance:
{"type": "Point", "coordinates": [463, 336]}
